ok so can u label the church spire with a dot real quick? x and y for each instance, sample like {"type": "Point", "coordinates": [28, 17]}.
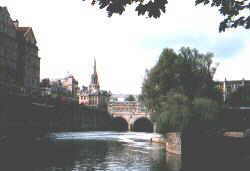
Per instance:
{"type": "Point", "coordinates": [94, 84]}
{"type": "Point", "coordinates": [94, 65]}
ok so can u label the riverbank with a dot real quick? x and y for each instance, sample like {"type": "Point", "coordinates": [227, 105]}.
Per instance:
{"type": "Point", "coordinates": [34, 117]}
{"type": "Point", "coordinates": [172, 142]}
{"type": "Point", "coordinates": [158, 139]}
{"type": "Point", "coordinates": [236, 140]}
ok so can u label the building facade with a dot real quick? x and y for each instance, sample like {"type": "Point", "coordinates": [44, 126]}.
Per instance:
{"type": "Point", "coordinates": [92, 95]}
{"type": "Point", "coordinates": [228, 87]}
{"type": "Point", "coordinates": [66, 88]}
{"type": "Point", "coordinates": [19, 61]}
{"type": "Point", "coordinates": [28, 60]}
{"type": "Point", "coordinates": [8, 50]}
{"type": "Point", "coordinates": [127, 107]}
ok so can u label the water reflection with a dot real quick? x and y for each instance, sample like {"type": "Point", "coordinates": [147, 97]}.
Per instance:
{"type": "Point", "coordinates": [116, 152]}
{"type": "Point", "coordinates": [173, 161]}
{"type": "Point", "coordinates": [111, 155]}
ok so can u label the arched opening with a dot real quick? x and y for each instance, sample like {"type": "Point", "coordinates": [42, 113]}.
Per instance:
{"type": "Point", "coordinates": [120, 124]}
{"type": "Point", "coordinates": [143, 125]}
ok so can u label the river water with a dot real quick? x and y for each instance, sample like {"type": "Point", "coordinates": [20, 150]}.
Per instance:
{"type": "Point", "coordinates": [91, 151]}
{"type": "Point", "coordinates": [116, 151]}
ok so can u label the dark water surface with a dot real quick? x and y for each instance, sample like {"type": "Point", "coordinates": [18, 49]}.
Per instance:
{"type": "Point", "coordinates": [90, 151]}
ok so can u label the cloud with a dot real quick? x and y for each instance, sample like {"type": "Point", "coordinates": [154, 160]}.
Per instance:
{"type": "Point", "coordinates": [235, 68]}
{"type": "Point", "coordinates": [71, 33]}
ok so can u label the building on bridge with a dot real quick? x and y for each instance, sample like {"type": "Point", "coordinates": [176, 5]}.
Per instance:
{"type": "Point", "coordinates": [228, 87]}
{"type": "Point", "coordinates": [93, 96]}
{"type": "Point", "coordinates": [126, 106]}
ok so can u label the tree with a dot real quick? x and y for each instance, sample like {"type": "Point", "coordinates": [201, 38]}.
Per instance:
{"type": "Point", "coordinates": [130, 98]}
{"type": "Point", "coordinates": [235, 11]}
{"type": "Point", "coordinates": [178, 112]}
{"type": "Point", "coordinates": [205, 109]}
{"type": "Point", "coordinates": [174, 113]}
{"type": "Point", "coordinates": [188, 72]}
{"type": "Point", "coordinates": [240, 97]}
{"type": "Point", "coordinates": [180, 88]}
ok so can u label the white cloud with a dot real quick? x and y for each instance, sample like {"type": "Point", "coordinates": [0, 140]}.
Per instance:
{"type": "Point", "coordinates": [236, 67]}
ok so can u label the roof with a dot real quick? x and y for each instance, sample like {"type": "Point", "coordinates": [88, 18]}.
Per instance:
{"type": "Point", "coordinates": [87, 92]}
{"type": "Point", "coordinates": [26, 31]}
{"type": "Point", "coordinates": [23, 29]}
{"type": "Point", "coordinates": [232, 81]}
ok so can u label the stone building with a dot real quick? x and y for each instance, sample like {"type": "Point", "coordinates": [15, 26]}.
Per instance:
{"type": "Point", "coordinates": [19, 61]}
{"type": "Point", "coordinates": [71, 84]}
{"type": "Point", "coordinates": [28, 60]}
{"type": "Point", "coordinates": [92, 95]}
{"type": "Point", "coordinates": [228, 87]}
{"type": "Point", "coordinates": [66, 87]}
{"type": "Point", "coordinates": [8, 50]}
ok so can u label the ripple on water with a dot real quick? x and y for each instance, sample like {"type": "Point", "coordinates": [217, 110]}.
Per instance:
{"type": "Point", "coordinates": [115, 151]}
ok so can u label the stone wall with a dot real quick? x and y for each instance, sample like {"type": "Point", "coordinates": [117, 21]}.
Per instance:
{"type": "Point", "coordinates": [173, 144]}
{"type": "Point", "coordinates": [94, 119]}
{"type": "Point", "coordinates": [27, 116]}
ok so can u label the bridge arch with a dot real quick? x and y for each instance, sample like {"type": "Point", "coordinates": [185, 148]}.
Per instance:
{"type": "Point", "coordinates": [143, 124]}
{"type": "Point", "coordinates": [120, 124]}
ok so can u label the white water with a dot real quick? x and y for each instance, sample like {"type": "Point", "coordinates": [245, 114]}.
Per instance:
{"type": "Point", "coordinates": [104, 135]}
{"type": "Point", "coordinates": [135, 139]}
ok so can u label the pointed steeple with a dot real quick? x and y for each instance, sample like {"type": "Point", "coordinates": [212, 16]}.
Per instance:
{"type": "Point", "coordinates": [94, 65]}
{"type": "Point", "coordinates": [94, 84]}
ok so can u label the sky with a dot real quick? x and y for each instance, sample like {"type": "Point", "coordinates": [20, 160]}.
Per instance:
{"type": "Point", "coordinates": [70, 34]}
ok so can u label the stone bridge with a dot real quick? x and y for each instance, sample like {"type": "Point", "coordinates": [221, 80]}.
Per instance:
{"type": "Point", "coordinates": [133, 121]}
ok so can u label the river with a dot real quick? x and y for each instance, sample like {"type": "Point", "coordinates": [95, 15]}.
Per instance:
{"type": "Point", "coordinates": [92, 151]}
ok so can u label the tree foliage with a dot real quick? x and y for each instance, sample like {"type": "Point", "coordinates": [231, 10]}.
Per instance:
{"type": "Point", "coordinates": [188, 72]}
{"type": "Point", "coordinates": [236, 12]}
{"type": "Point", "coordinates": [130, 98]}
{"type": "Point", "coordinates": [174, 114]}
{"type": "Point", "coordinates": [205, 109]}
{"type": "Point", "coordinates": [179, 112]}
{"type": "Point", "coordinates": [180, 88]}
